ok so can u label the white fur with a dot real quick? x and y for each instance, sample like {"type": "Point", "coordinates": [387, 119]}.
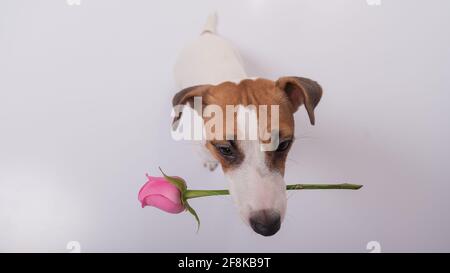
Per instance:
{"type": "Point", "coordinates": [252, 185]}
{"type": "Point", "coordinates": [209, 59]}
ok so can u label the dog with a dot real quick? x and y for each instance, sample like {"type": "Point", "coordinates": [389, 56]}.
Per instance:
{"type": "Point", "coordinates": [211, 69]}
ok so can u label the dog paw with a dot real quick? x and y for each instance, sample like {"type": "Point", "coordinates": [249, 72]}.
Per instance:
{"type": "Point", "coordinates": [210, 165]}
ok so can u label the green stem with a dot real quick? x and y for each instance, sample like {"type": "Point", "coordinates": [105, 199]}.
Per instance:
{"type": "Point", "coordinates": [345, 186]}
{"type": "Point", "coordinates": [200, 193]}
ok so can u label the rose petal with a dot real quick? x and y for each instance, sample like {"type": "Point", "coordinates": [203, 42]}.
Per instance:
{"type": "Point", "coordinates": [160, 193]}
{"type": "Point", "coordinates": [162, 203]}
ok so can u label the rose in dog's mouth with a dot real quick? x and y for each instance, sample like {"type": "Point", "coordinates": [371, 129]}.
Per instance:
{"type": "Point", "coordinates": [170, 194]}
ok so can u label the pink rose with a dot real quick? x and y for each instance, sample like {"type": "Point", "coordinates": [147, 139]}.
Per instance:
{"type": "Point", "coordinates": [160, 193]}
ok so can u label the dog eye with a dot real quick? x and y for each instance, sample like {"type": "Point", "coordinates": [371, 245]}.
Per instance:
{"type": "Point", "coordinates": [284, 145]}
{"type": "Point", "coordinates": [225, 150]}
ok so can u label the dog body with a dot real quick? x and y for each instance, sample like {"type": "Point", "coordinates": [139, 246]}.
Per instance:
{"type": "Point", "coordinates": [209, 59]}
{"type": "Point", "coordinates": [212, 70]}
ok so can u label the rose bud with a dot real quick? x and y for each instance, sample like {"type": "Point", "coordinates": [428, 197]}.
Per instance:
{"type": "Point", "coordinates": [160, 193]}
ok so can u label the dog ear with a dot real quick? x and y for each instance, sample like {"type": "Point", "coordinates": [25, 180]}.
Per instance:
{"type": "Point", "coordinates": [301, 91]}
{"type": "Point", "coordinates": [186, 97]}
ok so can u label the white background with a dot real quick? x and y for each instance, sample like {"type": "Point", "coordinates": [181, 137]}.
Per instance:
{"type": "Point", "coordinates": [85, 97]}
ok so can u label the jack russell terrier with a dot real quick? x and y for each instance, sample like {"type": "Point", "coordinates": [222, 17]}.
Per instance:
{"type": "Point", "coordinates": [210, 69]}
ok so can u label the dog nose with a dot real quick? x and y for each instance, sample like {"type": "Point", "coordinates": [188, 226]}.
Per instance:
{"type": "Point", "coordinates": [265, 222]}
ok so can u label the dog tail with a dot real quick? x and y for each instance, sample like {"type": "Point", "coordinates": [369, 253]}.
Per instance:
{"type": "Point", "coordinates": [211, 24]}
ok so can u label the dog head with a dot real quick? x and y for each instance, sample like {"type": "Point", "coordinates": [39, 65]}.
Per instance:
{"type": "Point", "coordinates": [254, 166]}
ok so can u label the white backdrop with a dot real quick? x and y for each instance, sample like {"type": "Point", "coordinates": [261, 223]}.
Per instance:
{"type": "Point", "coordinates": [85, 97]}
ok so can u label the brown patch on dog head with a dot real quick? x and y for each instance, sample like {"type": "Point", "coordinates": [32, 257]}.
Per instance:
{"type": "Point", "coordinates": [276, 160]}
{"type": "Point", "coordinates": [255, 93]}
{"type": "Point", "coordinates": [289, 93]}
{"type": "Point", "coordinates": [227, 162]}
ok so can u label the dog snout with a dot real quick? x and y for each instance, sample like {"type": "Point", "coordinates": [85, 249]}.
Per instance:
{"type": "Point", "coordinates": [265, 222]}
